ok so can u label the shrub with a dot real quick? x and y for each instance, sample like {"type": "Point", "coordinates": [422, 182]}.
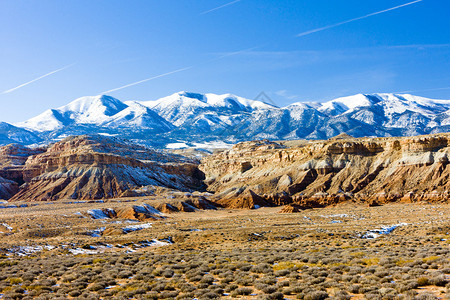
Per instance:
{"type": "Point", "coordinates": [317, 295]}
{"type": "Point", "coordinates": [168, 273]}
{"type": "Point", "coordinates": [423, 281]}
{"type": "Point", "coordinates": [438, 280]}
{"type": "Point", "coordinates": [241, 291]}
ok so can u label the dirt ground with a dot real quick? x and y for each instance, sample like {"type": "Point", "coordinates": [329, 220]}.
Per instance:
{"type": "Point", "coordinates": [395, 251]}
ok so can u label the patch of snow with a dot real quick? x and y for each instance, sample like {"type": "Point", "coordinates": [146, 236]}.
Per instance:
{"type": "Point", "coordinates": [97, 232]}
{"type": "Point", "coordinates": [79, 214]}
{"type": "Point", "coordinates": [110, 287]}
{"type": "Point", "coordinates": [372, 234]}
{"type": "Point", "coordinates": [107, 134]}
{"type": "Point", "coordinates": [136, 227]}
{"type": "Point", "coordinates": [152, 210]}
{"type": "Point", "coordinates": [336, 216]}
{"type": "Point", "coordinates": [7, 226]}
{"type": "Point", "coordinates": [157, 243]}
{"type": "Point", "coordinates": [177, 146]}
{"type": "Point", "coordinates": [99, 214]}
{"type": "Point", "coordinates": [25, 250]}
{"type": "Point", "coordinates": [8, 206]}
{"type": "Point", "coordinates": [78, 251]}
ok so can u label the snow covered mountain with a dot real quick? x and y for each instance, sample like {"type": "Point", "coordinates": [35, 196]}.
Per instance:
{"type": "Point", "coordinates": [191, 118]}
{"type": "Point", "coordinates": [10, 134]}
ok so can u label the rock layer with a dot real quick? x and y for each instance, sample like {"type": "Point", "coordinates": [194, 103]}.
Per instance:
{"type": "Point", "coordinates": [320, 173]}
{"type": "Point", "coordinates": [93, 167]}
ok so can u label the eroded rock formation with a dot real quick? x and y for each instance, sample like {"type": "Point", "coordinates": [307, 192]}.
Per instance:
{"type": "Point", "coordinates": [320, 173]}
{"type": "Point", "coordinates": [93, 167]}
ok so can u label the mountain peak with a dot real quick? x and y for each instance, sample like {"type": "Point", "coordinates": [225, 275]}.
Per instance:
{"type": "Point", "coordinates": [196, 118]}
{"type": "Point", "coordinates": [104, 103]}
{"type": "Point", "coordinates": [198, 96]}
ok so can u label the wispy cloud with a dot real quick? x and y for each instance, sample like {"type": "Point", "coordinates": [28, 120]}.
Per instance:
{"type": "Point", "coordinates": [243, 51]}
{"type": "Point", "coordinates": [355, 19]}
{"type": "Point", "coordinates": [147, 79]}
{"type": "Point", "coordinates": [287, 95]}
{"type": "Point", "coordinates": [426, 90]}
{"type": "Point", "coordinates": [420, 46]}
{"type": "Point", "coordinates": [219, 7]}
{"type": "Point", "coordinates": [36, 79]}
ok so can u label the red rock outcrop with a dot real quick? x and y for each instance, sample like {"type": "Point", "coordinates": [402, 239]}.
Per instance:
{"type": "Point", "coordinates": [320, 173]}
{"type": "Point", "coordinates": [291, 208]}
{"type": "Point", "coordinates": [93, 167]}
{"type": "Point", "coordinates": [247, 199]}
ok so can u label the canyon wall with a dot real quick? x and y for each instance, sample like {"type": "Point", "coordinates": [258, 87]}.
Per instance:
{"type": "Point", "coordinates": [318, 173]}
{"type": "Point", "coordinates": [94, 167]}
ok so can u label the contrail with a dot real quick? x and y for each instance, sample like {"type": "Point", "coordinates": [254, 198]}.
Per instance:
{"type": "Point", "coordinates": [147, 79]}
{"type": "Point", "coordinates": [36, 79]}
{"type": "Point", "coordinates": [355, 19]}
{"type": "Point", "coordinates": [180, 70]}
{"type": "Point", "coordinates": [219, 7]}
{"type": "Point", "coordinates": [237, 52]}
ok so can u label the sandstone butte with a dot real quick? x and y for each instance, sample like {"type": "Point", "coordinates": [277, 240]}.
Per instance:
{"type": "Point", "coordinates": [300, 174]}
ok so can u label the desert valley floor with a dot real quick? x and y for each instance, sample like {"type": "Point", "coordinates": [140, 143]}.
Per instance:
{"type": "Point", "coordinates": [60, 250]}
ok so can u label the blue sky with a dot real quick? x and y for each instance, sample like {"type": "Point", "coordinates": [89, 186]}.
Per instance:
{"type": "Point", "coordinates": [244, 47]}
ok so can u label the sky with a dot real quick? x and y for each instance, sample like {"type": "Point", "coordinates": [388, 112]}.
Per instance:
{"type": "Point", "coordinates": [53, 51]}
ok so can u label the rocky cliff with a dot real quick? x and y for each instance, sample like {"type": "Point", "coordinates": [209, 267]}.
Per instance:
{"type": "Point", "coordinates": [12, 159]}
{"type": "Point", "coordinates": [318, 173]}
{"type": "Point", "coordinates": [93, 167]}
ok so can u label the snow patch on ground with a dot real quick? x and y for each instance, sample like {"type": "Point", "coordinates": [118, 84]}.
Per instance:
{"type": "Point", "coordinates": [136, 227]}
{"type": "Point", "coordinates": [100, 214]}
{"type": "Point", "coordinates": [373, 234]}
{"type": "Point", "coordinates": [28, 250]}
{"type": "Point", "coordinates": [7, 226]}
{"type": "Point", "coordinates": [97, 232]}
{"type": "Point", "coordinates": [78, 251]}
{"type": "Point", "coordinates": [336, 216]}
{"type": "Point", "coordinates": [89, 249]}
{"type": "Point", "coordinates": [145, 208]}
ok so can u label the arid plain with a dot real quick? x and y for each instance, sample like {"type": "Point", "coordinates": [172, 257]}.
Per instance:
{"type": "Point", "coordinates": [342, 219]}
{"type": "Point", "coordinates": [57, 250]}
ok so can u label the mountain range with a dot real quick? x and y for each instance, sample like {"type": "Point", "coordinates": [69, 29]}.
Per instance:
{"type": "Point", "coordinates": [204, 120]}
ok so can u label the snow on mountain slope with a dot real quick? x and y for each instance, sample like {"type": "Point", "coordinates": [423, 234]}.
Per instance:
{"type": "Point", "coordinates": [232, 101]}
{"type": "Point", "coordinates": [138, 115]}
{"type": "Point", "coordinates": [180, 107]}
{"type": "Point", "coordinates": [399, 103]}
{"type": "Point", "coordinates": [198, 118]}
{"type": "Point", "coordinates": [391, 104]}
{"type": "Point", "coordinates": [49, 120]}
{"type": "Point", "coordinates": [92, 109]}
{"type": "Point", "coordinates": [12, 134]}
{"type": "Point", "coordinates": [345, 104]}
{"type": "Point", "coordinates": [99, 110]}
{"type": "Point", "coordinates": [84, 110]}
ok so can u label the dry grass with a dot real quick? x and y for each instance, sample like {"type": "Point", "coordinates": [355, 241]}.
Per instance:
{"type": "Point", "coordinates": [257, 254]}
